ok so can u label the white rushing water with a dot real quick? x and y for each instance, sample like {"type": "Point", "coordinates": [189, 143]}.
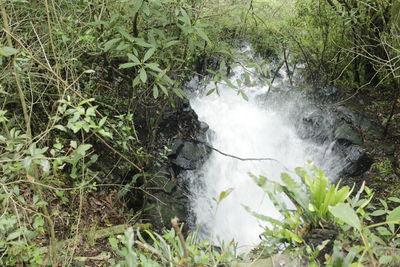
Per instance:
{"type": "Point", "coordinates": [248, 130]}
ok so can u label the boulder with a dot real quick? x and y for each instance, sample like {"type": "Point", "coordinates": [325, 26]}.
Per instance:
{"type": "Point", "coordinates": [353, 160]}
{"type": "Point", "coordinates": [317, 125]}
{"type": "Point", "coordinates": [188, 155]}
{"type": "Point", "coordinates": [346, 134]}
{"type": "Point", "coordinates": [168, 201]}
{"type": "Point", "coordinates": [358, 120]}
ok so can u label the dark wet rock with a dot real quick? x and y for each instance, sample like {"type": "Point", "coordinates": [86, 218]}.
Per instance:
{"type": "Point", "coordinates": [188, 155]}
{"type": "Point", "coordinates": [317, 126]}
{"type": "Point", "coordinates": [360, 121]}
{"type": "Point", "coordinates": [168, 202]}
{"type": "Point", "coordinates": [353, 160]}
{"type": "Point", "coordinates": [388, 149]}
{"type": "Point", "coordinates": [326, 94]}
{"type": "Point", "coordinates": [346, 134]}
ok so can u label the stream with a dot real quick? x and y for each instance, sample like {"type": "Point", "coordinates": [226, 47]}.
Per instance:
{"type": "Point", "coordinates": [247, 129]}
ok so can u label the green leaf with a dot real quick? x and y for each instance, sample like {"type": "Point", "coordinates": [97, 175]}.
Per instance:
{"type": "Point", "coordinates": [141, 42]}
{"type": "Point", "coordinates": [14, 235]}
{"type": "Point", "coordinates": [229, 83]}
{"type": "Point", "coordinates": [133, 58]}
{"type": "Point", "coordinates": [135, 81]}
{"type": "Point", "coordinates": [264, 218]}
{"type": "Point", "coordinates": [60, 127]}
{"type": "Point", "coordinates": [378, 213]}
{"type": "Point", "coordinates": [202, 34]}
{"type": "Point", "coordinates": [165, 91]}
{"type": "Point", "coordinates": [346, 214]}
{"type": "Point", "coordinates": [224, 194]}
{"type": "Point", "coordinates": [109, 44]}
{"type": "Point", "coordinates": [86, 101]}
{"type": "Point", "coordinates": [211, 91]}
{"type": "Point", "coordinates": [394, 215]}
{"type": "Point", "coordinates": [383, 231]}
{"type": "Point", "coordinates": [81, 150]}
{"type": "Point", "coordinates": [244, 96]}
{"type": "Point", "coordinates": [73, 144]}
{"type": "Point", "coordinates": [148, 54]}
{"type": "Point", "coordinates": [179, 92]}
{"type": "Point", "coordinates": [143, 75]}
{"type": "Point", "coordinates": [102, 121]}
{"type": "Point", "coordinates": [171, 43]}
{"type": "Point", "coordinates": [153, 66]}
{"type": "Point", "coordinates": [89, 71]}
{"type": "Point", "coordinates": [384, 260]}
{"type": "Point", "coordinates": [294, 191]}
{"type": "Point", "coordinates": [7, 51]}
{"type": "Point", "coordinates": [138, 5]}
{"type": "Point", "coordinates": [394, 199]}
{"type": "Point", "coordinates": [185, 17]}
{"type": "Point", "coordinates": [128, 65]}
{"type": "Point", "coordinates": [155, 91]}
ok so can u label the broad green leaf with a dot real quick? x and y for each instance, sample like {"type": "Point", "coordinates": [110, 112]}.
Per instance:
{"type": "Point", "coordinates": [81, 150]}
{"type": "Point", "coordinates": [125, 34]}
{"type": "Point", "coordinates": [185, 17]}
{"type": "Point", "coordinates": [346, 214]}
{"type": "Point", "coordinates": [141, 42]}
{"type": "Point", "coordinates": [73, 144]}
{"type": "Point", "coordinates": [165, 91]}
{"type": "Point", "coordinates": [394, 199]}
{"type": "Point", "coordinates": [143, 75]}
{"type": "Point", "coordinates": [14, 235]}
{"type": "Point", "coordinates": [394, 215]}
{"type": "Point", "coordinates": [148, 54]}
{"type": "Point", "coordinates": [383, 231]}
{"type": "Point", "coordinates": [384, 260]}
{"type": "Point", "coordinates": [135, 81]}
{"type": "Point", "coordinates": [137, 6]}
{"type": "Point", "coordinates": [153, 66]}
{"type": "Point", "coordinates": [319, 187]}
{"type": "Point", "coordinates": [7, 51]}
{"type": "Point", "coordinates": [202, 34]}
{"type": "Point", "coordinates": [171, 43]}
{"type": "Point", "coordinates": [295, 192]}
{"type": "Point", "coordinates": [378, 213]}
{"type": "Point", "coordinates": [60, 127]}
{"type": "Point", "coordinates": [224, 194]}
{"type": "Point", "coordinates": [155, 91]}
{"type": "Point", "coordinates": [86, 101]}
{"type": "Point", "coordinates": [109, 44]}
{"type": "Point", "coordinates": [179, 92]}
{"type": "Point", "coordinates": [342, 194]}
{"type": "Point", "coordinates": [102, 121]}
{"type": "Point", "coordinates": [128, 65]}
{"type": "Point", "coordinates": [133, 58]}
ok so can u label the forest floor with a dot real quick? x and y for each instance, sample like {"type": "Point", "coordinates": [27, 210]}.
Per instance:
{"type": "Point", "coordinates": [384, 174]}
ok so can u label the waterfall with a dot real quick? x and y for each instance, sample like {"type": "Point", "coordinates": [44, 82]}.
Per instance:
{"type": "Point", "coordinates": [247, 129]}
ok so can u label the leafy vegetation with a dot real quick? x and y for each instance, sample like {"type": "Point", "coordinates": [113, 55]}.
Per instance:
{"type": "Point", "coordinates": [322, 207]}
{"type": "Point", "coordinates": [85, 86]}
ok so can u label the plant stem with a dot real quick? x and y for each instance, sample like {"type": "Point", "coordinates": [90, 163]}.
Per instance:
{"type": "Point", "coordinates": [7, 29]}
